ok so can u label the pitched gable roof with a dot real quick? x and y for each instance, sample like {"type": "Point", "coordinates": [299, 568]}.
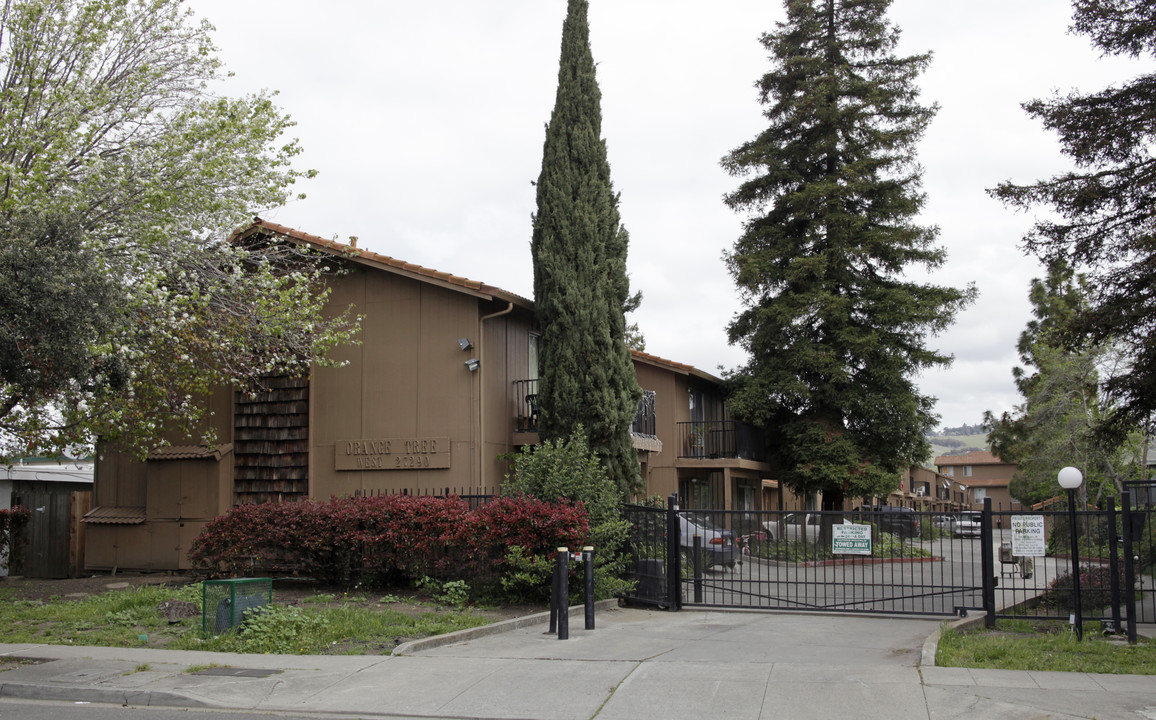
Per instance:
{"type": "Point", "coordinates": [372, 259]}
{"type": "Point", "coordinates": [368, 257]}
{"type": "Point", "coordinates": [980, 457]}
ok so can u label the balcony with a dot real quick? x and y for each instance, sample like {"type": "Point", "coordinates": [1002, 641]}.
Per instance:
{"type": "Point", "coordinates": [526, 410]}
{"type": "Point", "coordinates": [720, 439]}
{"type": "Point", "coordinates": [526, 405]}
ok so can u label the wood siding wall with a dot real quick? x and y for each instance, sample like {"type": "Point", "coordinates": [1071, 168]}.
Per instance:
{"type": "Point", "coordinates": [271, 442]}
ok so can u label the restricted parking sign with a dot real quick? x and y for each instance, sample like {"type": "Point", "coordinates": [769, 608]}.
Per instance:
{"type": "Point", "coordinates": [851, 539]}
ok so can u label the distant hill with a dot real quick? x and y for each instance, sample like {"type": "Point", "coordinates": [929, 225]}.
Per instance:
{"type": "Point", "coordinates": [956, 441]}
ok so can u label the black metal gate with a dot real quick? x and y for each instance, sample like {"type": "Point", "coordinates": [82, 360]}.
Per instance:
{"type": "Point", "coordinates": [787, 561]}
{"type": "Point", "coordinates": [917, 563]}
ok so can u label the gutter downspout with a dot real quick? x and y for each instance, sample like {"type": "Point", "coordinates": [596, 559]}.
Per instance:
{"type": "Point", "coordinates": [480, 445]}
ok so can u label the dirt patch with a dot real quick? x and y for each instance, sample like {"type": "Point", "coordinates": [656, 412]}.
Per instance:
{"type": "Point", "coordinates": [21, 588]}
{"type": "Point", "coordinates": [11, 663]}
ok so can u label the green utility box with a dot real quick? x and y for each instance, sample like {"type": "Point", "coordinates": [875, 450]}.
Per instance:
{"type": "Point", "coordinates": [224, 602]}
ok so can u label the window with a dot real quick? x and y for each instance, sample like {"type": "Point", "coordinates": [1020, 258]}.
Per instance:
{"type": "Point", "coordinates": [532, 369]}
{"type": "Point", "coordinates": [980, 494]}
{"type": "Point", "coordinates": [949, 470]}
{"type": "Point", "coordinates": [967, 470]}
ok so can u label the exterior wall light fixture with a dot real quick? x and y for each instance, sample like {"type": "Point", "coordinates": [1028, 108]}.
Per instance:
{"type": "Point", "coordinates": [464, 343]}
{"type": "Point", "coordinates": [473, 364]}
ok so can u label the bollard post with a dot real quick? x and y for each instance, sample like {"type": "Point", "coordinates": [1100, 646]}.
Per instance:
{"type": "Point", "coordinates": [563, 593]}
{"type": "Point", "coordinates": [588, 562]}
{"type": "Point", "coordinates": [554, 600]}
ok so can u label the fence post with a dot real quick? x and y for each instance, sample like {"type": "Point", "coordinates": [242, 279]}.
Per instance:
{"type": "Point", "coordinates": [1129, 564]}
{"type": "Point", "coordinates": [563, 585]}
{"type": "Point", "coordinates": [588, 567]}
{"type": "Point", "coordinates": [1114, 562]}
{"type": "Point", "coordinates": [696, 563]}
{"type": "Point", "coordinates": [673, 555]}
{"type": "Point", "coordinates": [987, 564]}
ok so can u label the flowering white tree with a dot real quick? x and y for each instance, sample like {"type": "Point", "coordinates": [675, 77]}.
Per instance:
{"type": "Point", "coordinates": [119, 163]}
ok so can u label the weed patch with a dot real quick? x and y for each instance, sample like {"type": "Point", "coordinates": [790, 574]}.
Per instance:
{"type": "Point", "coordinates": [1043, 645]}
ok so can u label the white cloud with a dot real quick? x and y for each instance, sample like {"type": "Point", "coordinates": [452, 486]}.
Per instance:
{"type": "Point", "coordinates": [426, 122]}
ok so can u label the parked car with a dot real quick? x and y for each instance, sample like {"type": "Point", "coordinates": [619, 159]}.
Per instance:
{"type": "Point", "coordinates": [901, 521]}
{"type": "Point", "coordinates": [718, 545]}
{"type": "Point", "coordinates": [796, 526]}
{"type": "Point", "coordinates": [967, 524]}
{"type": "Point", "coordinates": [943, 522]}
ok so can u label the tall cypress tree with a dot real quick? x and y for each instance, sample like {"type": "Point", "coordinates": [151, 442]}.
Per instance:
{"type": "Point", "coordinates": [580, 282]}
{"type": "Point", "coordinates": [834, 326]}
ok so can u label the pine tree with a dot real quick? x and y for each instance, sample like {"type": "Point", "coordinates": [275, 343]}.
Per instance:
{"type": "Point", "coordinates": [834, 327]}
{"type": "Point", "coordinates": [1105, 222]}
{"type": "Point", "coordinates": [580, 284]}
{"type": "Point", "coordinates": [1062, 410]}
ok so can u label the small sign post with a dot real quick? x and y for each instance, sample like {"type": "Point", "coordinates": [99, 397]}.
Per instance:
{"type": "Point", "coordinates": [851, 539]}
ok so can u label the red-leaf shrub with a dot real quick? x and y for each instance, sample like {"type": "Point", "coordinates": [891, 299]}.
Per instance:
{"type": "Point", "coordinates": [538, 527]}
{"type": "Point", "coordinates": [1095, 589]}
{"type": "Point", "coordinates": [383, 539]}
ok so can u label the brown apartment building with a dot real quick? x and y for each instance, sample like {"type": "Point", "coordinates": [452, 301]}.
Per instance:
{"type": "Point", "coordinates": [983, 475]}
{"type": "Point", "coordinates": [443, 384]}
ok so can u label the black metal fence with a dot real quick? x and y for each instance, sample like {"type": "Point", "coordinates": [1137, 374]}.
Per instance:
{"type": "Point", "coordinates": [1006, 564]}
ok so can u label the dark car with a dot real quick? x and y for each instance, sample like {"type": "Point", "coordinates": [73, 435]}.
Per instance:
{"type": "Point", "coordinates": [901, 521]}
{"type": "Point", "coordinates": [718, 545]}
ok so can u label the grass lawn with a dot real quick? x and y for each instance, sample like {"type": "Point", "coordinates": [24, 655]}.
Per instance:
{"type": "Point", "coordinates": [1044, 645]}
{"type": "Point", "coordinates": [321, 624]}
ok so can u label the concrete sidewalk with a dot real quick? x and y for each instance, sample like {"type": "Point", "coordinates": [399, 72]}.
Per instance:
{"type": "Point", "coordinates": [638, 664]}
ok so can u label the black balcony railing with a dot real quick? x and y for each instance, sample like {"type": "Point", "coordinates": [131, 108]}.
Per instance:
{"type": "Point", "coordinates": [644, 420]}
{"type": "Point", "coordinates": [526, 405]}
{"type": "Point", "coordinates": [720, 439]}
{"type": "Point", "coordinates": [526, 410]}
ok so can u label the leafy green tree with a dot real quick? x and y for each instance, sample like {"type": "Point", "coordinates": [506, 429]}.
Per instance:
{"type": "Point", "coordinates": [581, 290]}
{"type": "Point", "coordinates": [59, 304]}
{"type": "Point", "coordinates": [1057, 424]}
{"type": "Point", "coordinates": [1103, 221]}
{"type": "Point", "coordinates": [834, 327]}
{"type": "Point", "coordinates": [111, 134]}
{"type": "Point", "coordinates": [566, 469]}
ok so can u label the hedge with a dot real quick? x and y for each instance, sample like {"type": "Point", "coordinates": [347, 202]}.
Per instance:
{"type": "Point", "coordinates": [382, 540]}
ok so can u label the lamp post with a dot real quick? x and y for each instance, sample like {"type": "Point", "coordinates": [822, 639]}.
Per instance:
{"type": "Point", "coordinates": [1070, 479]}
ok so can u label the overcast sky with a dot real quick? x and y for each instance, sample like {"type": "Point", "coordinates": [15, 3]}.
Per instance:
{"type": "Point", "coordinates": [426, 120]}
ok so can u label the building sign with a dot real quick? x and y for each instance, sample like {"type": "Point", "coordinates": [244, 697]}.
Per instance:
{"type": "Point", "coordinates": [392, 454]}
{"type": "Point", "coordinates": [1028, 537]}
{"type": "Point", "coordinates": [851, 539]}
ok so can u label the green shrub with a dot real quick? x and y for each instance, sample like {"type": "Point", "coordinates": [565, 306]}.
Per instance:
{"type": "Point", "coordinates": [568, 471]}
{"type": "Point", "coordinates": [1095, 589]}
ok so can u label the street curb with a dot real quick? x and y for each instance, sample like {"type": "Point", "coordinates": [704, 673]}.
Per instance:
{"type": "Point", "coordinates": [436, 641]}
{"type": "Point", "coordinates": [931, 644]}
{"type": "Point", "coordinates": [110, 696]}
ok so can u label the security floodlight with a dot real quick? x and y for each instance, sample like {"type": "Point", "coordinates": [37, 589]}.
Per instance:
{"type": "Point", "coordinates": [473, 364]}
{"type": "Point", "coordinates": [464, 343]}
{"type": "Point", "coordinates": [1070, 478]}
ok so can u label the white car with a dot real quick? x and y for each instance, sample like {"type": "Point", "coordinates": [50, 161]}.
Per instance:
{"type": "Point", "coordinates": [791, 527]}
{"type": "Point", "coordinates": [967, 524]}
